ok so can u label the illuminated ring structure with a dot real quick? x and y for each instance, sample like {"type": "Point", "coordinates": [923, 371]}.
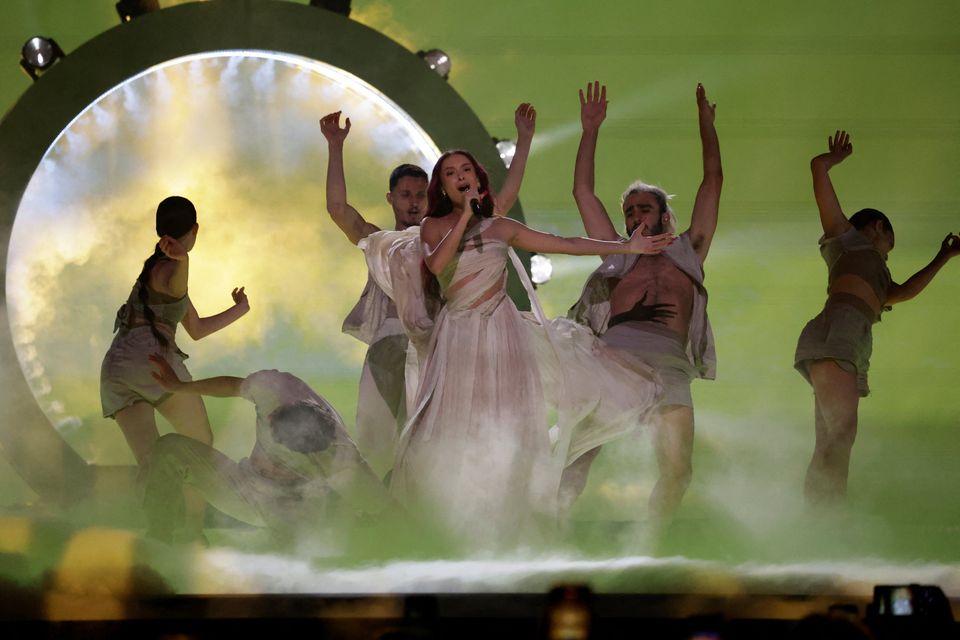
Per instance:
{"type": "Point", "coordinates": [33, 446]}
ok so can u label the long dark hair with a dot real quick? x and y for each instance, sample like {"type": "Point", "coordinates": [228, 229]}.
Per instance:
{"type": "Point", "coordinates": [176, 216]}
{"type": "Point", "coordinates": [439, 203]}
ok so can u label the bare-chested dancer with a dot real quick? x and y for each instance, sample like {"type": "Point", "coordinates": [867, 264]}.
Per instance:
{"type": "Point", "coordinates": [833, 352]}
{"type": "Point", "coordinates": [652, 305]}
{"type": "Point", "coordinates": [381, 405]}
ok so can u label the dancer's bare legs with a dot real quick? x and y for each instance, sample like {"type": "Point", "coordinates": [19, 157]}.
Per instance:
{"type": "Point", "coordinates": [673, 445]}
{"type": "Point", "coordinates": [188, 415]}
{"type": "Point", "coordinates": [837, 398]}
{"type": "Point", "coordinates": [572, 483]}
{"type": "Point", "coordinates": [139, 427]}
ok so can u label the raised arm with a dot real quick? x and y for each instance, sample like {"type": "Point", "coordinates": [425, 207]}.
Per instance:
{"type": "Point", "coordinates": [593, 111]}
{"type": "Point", "coordinates": [949, 248]}
{"type": "Point", "coordinates": [521, 236]}
{"type": "Point", "coordinates": [198, 327]}
{"type": "Point", "coordinates": [220, 386]}
{"type": "Point", "coordinates": [345, 216]}
{"type": "Point", "coordinates": [832, 219]}
{"type": "Point", "coordinates": [525, 118]}
{"type": "Point", "coordinates": [706, 208]}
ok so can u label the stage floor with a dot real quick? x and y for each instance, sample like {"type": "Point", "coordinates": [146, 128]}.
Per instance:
{"type": "Point", "coordinates": [54, 571]}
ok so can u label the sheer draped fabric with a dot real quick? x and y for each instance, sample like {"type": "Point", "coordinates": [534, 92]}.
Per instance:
{"type": "Point", "coordinates": [477, 454]}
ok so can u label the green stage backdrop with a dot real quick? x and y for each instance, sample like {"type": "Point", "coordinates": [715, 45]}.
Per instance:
{"type": "Point", "coordinates": [784, 76]}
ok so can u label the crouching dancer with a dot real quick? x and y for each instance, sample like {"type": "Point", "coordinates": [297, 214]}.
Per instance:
{"type": "Point", "coordinates": [303, 470]}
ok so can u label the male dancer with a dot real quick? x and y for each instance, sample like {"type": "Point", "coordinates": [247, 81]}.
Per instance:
{"type": "Point", "coordinates": [381, 405]}
{"type": "Point", "coordinates": [652, 305]}
{"type": "Point", "coordinates": [302, 458]}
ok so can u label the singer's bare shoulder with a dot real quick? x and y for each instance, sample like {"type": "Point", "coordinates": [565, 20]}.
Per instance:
{"type": "Point", "coordinates": [432, 225]}
{"type": "Point", "coordinates": [432, 230]}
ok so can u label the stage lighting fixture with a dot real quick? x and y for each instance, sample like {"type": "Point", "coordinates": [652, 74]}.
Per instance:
{"type": "Point", "coordinates": [337, 6]}
{"type": "Point", "coordinates": [130, 9]}
{"type": "Point", "coordinates": [506, 149]}
{"type": "Point", "coordinates": [437, 60]}
{"type": "Point", "coordinates": [38, 54]}
{"type": "Point", "coordinates": [541, 269]}
{"type": "Point", "coordinates": [93, 112]}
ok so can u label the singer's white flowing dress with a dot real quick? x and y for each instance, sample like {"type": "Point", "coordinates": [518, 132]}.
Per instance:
{"type": "Point", "coordinates": [476, 454]}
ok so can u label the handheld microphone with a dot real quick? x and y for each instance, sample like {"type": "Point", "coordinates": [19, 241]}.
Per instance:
{"type": "Point", "coordinates": [475, 205]}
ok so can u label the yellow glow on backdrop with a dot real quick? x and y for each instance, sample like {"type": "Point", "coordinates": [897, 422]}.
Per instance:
{"type": "Point", "coordinates": [237, 133]}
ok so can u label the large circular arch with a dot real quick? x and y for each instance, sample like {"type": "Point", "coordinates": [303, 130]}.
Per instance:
{"type": "Point", "coordinates": [36, 450]}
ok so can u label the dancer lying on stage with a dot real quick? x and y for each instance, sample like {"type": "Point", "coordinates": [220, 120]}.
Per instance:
{"type": "Point", "coordinates": [302, 457]}
{"type": "Point", "coordinates": [382, 399]}
{"type": "Point", "coordinates": [147, 323]}
{"type": "Point", "coordinates": [475, 456]}
{"type": "Point", "coordinates": [833, 352]}
{"type": "Point", "coordinates": [654, 306]}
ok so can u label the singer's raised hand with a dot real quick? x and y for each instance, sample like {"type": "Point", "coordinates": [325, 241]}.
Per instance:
{"type": "Point", "coordinates": [471, 195]}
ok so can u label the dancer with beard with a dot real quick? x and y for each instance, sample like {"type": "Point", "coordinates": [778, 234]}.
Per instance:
{"type": "Point", "coordinates": [653, 306]}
